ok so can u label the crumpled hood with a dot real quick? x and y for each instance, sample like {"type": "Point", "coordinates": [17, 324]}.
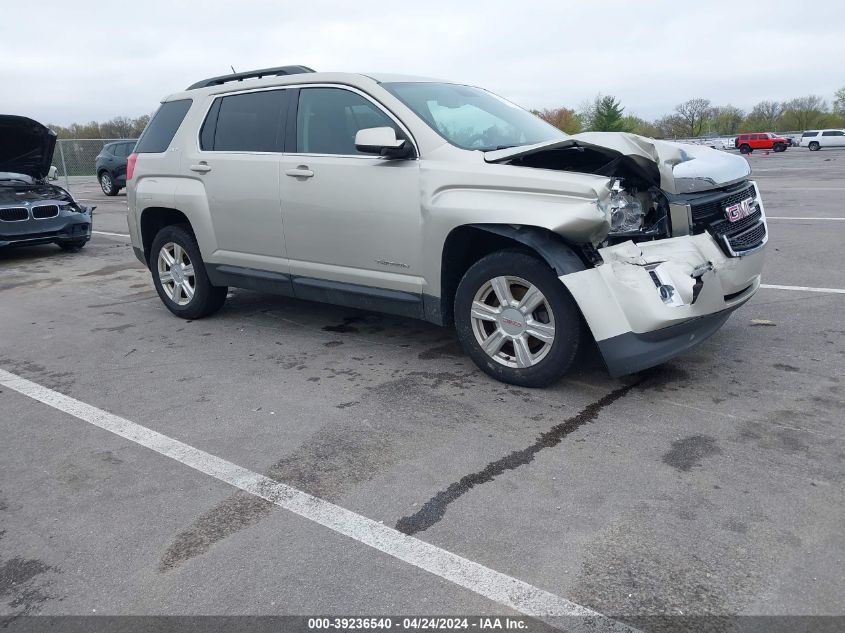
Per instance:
{"type": "Point", "coordinates": [26, 146]}
{"type": "Point", "coordinates": [682, 168]}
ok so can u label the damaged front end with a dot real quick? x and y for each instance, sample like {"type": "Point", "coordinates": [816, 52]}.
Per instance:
{"type": "Point", "coordinates": [683, 246]}
{"type": "Point", "coordinates": [33, 211]}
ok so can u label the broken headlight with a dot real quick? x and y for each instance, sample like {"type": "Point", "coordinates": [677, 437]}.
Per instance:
{"type": "Point", "coordinates": [635, 214]}
{"type": "Point", "coordinates": [626, 211]}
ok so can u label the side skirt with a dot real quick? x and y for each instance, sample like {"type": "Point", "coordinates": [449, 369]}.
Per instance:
{"type": "Point", "coordinates": [416, 306]}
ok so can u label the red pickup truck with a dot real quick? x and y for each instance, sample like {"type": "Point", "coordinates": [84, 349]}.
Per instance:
{"type": "Point", "coordinates": [747, 143]}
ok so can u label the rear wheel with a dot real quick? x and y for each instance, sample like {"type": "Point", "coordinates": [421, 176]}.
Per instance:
{"type": "Point", "coordinates": [180, 277]}
{"type": "Point", "coordinates": [745, 148]}
{"type": "Point", "coordinates": [814, 146]}
{"type": "Point", "coordinates": [107, 184]}
{"type": "Point", "coordinates": [516, 320]}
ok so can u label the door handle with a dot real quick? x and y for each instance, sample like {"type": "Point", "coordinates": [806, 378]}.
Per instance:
{"type": "Point", "coordinates": [201, 168]}
{"type": "Point", "coordinates": [301, 171]}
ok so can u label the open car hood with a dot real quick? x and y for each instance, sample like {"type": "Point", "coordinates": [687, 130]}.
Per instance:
{"type": "Point", "coordinates": [674, 167]}
{"type": "Point", "coordinates": [26, 146]}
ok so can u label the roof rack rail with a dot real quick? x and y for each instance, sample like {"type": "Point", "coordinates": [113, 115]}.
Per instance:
{"type": "Point", "coordinates": [251, 74]}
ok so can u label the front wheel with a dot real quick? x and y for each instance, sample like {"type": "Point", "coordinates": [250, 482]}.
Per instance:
{"type": "Point", "coordinates": [179, 275]}
{"type": "Point", "coordinates": [516, 320]}
{"type": "Point", "coordinates": [779, 147]}
{"type": "Point", "coordinates": [814, 146]}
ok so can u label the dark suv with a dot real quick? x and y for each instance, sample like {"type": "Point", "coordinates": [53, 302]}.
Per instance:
{"type": "Point", "coordinates": [111, 166]}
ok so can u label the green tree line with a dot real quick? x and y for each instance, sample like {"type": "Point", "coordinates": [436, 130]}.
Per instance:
{"type": "Point", "coordinates": [118, 127]}
{"type": "Point", "coordinates": [700, 117]}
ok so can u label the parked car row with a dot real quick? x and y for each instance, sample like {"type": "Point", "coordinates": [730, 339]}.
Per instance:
{"type": "Point", "coordinates": [750, 141]}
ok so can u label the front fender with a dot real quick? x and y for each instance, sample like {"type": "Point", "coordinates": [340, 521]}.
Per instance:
{"type": "Point", "coordinates": [553, 249]}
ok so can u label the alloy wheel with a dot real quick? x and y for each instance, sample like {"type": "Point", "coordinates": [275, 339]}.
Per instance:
{"type": "Point", "coordinates": [176, 273]}
{"type": "Point", "coordinates": [513, 322]}
{"type": "Point", "coordinates": [106, 183]}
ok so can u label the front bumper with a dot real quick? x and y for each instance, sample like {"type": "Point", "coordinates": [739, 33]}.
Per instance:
{"type": "Point", "coordinates": [66, 226]}
{"type": "Point", "coordinates": [635, 327]}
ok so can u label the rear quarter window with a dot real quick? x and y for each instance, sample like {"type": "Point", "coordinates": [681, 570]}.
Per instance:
{"type": "Point", "coordinates": [162, 128]}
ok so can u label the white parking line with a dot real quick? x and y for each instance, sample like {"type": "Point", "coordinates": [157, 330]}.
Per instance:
{"type": "Point", "coordinates": [803, 288]}
{"type": "Point", "coordinates": [780, 217]}
{"type": "Point", "coordinates": [126, 235]}
{"type": "Point", "coordinates": [491, 584]}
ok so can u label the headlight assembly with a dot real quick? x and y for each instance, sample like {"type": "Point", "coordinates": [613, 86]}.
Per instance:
{"type": "Point", "coordinates": [626, 211]}
{"type": "Point", "coordinates": [635, 214]}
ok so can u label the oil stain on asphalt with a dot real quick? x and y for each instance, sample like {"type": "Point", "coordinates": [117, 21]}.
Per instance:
{"type": "Point", "coordinates": [336, 459]}
{"type": "Point", "coordinates": [434, 509]}
{"type": "Point", "coordinates": [344, 327]}
{"type": "Point", "coordinates": [21, 587]}
{"type": "Point", "coordinates": [687, 453]}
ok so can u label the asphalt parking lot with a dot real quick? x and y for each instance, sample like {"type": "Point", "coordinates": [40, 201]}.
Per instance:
{"type": "Point", "coordinates": [710, 485]}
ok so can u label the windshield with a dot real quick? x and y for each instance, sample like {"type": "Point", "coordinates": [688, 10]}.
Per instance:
{"type": "Point", "coordinates": [471, 118]}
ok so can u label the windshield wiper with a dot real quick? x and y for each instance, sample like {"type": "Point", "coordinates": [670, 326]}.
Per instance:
{"type": "Point", "coordinates": [496, 147]}
{"type": "Point", "coordinates": [26, 182]}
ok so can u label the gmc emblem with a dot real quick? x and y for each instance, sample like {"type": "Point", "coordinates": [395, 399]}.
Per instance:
{"type": "Point", "coordinates": [740, 210]}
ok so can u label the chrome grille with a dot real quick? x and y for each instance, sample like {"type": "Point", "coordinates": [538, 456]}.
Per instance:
{"type": "Point", "coordinates": [734, 238]}
{"type": "Point", "coordinates": [716, 208]}
{"type": "Point", "coordinates": [45, 211]}
{"type": "Point", "coordinates": [748, 239]}
{"type": "Point", "coordinates": [14, 214]}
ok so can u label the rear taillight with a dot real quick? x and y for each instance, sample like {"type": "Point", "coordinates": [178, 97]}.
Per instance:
{"type": "Point", "coordinates": [130, 166]}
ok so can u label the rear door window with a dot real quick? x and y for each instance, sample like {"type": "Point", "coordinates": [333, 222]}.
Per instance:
{"type": "Point", "coordinates": [162, 128]}
{"type": "Point", "coordinates": [248, 122]}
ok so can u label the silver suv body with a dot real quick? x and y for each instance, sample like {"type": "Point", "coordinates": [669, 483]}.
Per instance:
{"type": "Point", "coordinates": [446, 203]}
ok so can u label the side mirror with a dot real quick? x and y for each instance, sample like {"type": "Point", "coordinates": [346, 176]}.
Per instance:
{"type": "Point", "coordinates": [382, 141]}
{"type": "Point", "coordinates": [52, 173]}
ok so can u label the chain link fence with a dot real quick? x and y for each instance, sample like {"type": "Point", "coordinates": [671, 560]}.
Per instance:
{"type": "Point", "coordinates": [75, 158]}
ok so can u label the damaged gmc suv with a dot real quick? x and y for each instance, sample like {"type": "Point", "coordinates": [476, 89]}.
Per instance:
{"type": "Point", "coordinates": [444, 202]}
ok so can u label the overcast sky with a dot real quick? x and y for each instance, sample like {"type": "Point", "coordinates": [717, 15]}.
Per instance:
{"type": "Point", "coordinates": [76, 61]}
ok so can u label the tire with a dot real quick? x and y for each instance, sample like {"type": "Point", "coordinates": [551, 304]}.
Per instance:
{"type": "Point", "coordinates": [779, 147]}
{"type": "Point", "coordinates": [107, 184]}
{"type": "Point", "coordinates": [72, 246]}
{"type": "Point", "coordinates": [173, 284]}
{"type": "Point", "coordinates": [744, 149]}
{"type": "Point", "coordinates": [529, 361]}
{"type": "Point", "coordinates": [814, 146]}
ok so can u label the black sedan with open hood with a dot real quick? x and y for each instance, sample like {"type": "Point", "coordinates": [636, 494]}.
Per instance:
{"type": "Point", "coordinates": [32, 210]}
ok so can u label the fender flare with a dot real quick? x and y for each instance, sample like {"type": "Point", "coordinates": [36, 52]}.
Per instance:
{"type": "Point", "coordinates": [550, 246]}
